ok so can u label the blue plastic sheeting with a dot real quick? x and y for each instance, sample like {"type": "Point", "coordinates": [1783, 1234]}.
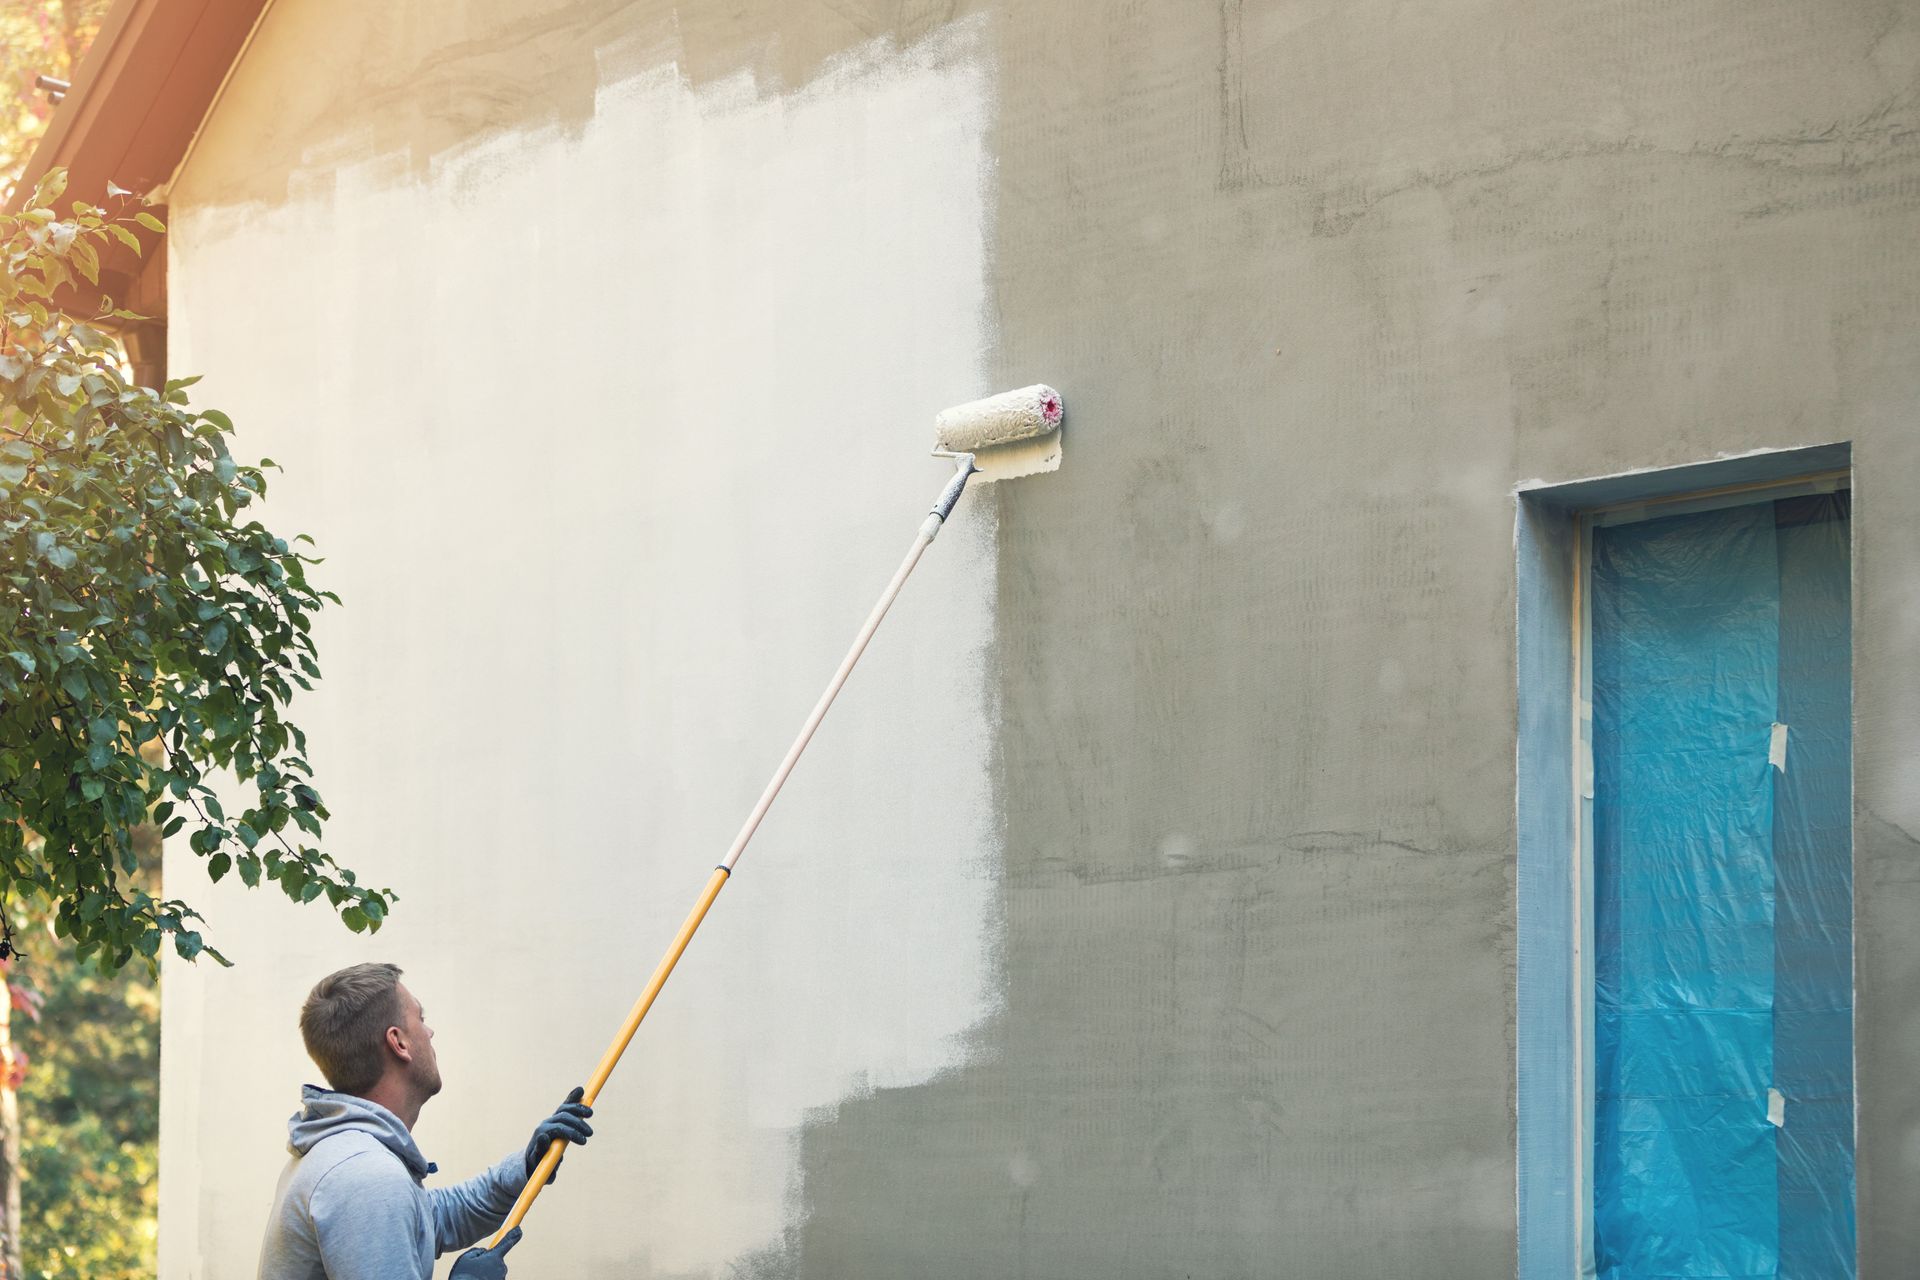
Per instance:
{"type": "Point", "coordinates": [1813, 896]}
{"type": "Point", "coordinates": [1722, 896]}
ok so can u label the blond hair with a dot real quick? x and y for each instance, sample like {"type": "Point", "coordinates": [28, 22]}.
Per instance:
{"type": "Point", "coordinates": [345, 1021]}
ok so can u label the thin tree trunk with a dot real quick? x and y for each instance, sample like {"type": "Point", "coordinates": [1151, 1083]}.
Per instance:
{"type": "Point", "coordinates": [9, 1141]}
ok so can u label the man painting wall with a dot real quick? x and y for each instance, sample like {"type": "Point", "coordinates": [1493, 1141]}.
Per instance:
{"type": "Point", "coordinates": [352, 1203]}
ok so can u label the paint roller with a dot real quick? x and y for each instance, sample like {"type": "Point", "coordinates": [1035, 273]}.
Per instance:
{"type": "Point", "coordinates": [1016, 433]}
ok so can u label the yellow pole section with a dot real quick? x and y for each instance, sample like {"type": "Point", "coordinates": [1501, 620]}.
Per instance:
{"type": "Point", "coordinates": [611, 1058]}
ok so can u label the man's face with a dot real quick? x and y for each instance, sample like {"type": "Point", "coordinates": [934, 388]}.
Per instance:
{"type": "Point", "coordinates": [424, 1069]}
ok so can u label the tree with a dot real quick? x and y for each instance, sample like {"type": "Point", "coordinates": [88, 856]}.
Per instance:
{"type": "Point", "coordinates": [89, 1116]}
{"type": "Point", "coordinates": [151, 633]}
{"type": "Point", "coordinates": [87, 1124]}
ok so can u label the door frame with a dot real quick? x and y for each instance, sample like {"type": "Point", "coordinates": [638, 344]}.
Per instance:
{"type": "Point", "coordinates": [1554, 1035]}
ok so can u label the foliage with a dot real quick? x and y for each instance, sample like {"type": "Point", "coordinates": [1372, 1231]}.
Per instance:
{"type": "Point", "coordinates": [89, 1108]}
{"type": "Point", "coordinates": [151, 634]}
{"type": "Point", "coordinates": [89, 1101]}
{"type": "Point", "coordinates": [37, 37]}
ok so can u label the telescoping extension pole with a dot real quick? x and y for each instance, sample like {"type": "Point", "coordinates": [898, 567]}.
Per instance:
{"type": "Point", "coordinates": [1017, 433]}
{"type": "Point", "coordinates": [963, 468]}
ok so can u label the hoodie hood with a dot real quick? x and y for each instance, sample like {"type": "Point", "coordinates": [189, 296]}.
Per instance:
{"type": "Point", "coordinates": [324, 1113]}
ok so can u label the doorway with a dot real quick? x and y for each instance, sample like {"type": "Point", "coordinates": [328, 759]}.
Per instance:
{"type": "Point", "coordinates": [1717, 669]}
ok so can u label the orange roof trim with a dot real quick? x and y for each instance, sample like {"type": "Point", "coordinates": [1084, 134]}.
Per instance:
{"type": "Point", "coordinates": [138, 98]}
{"type": "Point", "coordinates": [140, 94]}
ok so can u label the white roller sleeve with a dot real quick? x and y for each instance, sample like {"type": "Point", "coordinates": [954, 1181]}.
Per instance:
{"type": "Point", "coordinates": [1007, 418]}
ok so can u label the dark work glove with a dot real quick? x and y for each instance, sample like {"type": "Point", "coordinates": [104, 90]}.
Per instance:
{"type": "Point", "coordinates": [485, 1264]}
{"type": "Point", "coordinates": [569, 1122]}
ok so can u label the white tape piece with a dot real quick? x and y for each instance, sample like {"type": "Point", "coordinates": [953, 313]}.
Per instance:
{"type": "Point", "coordinates": [1776, 1108]}
{"type": "Point", "coordinates": [1777, 748]}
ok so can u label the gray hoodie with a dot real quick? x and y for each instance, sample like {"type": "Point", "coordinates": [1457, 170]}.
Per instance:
{"type": "Point", "coordinates": [351, 1204]}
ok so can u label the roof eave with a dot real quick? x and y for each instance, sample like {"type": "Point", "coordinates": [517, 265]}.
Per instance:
{"type": "Point", "coordinates": [138, 99]}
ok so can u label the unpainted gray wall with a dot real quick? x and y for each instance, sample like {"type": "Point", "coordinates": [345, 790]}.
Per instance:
{"type": "Point", "coordinates": [1323, 282]}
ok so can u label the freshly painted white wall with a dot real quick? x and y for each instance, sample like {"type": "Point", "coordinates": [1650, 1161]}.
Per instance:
{"type": "Point", "coordinates": [609, 437]}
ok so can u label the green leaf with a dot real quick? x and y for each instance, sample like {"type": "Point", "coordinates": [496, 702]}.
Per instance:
{"type": "Point", "coordinates": [217, 866]}
{"type": "Point", "coordinates": [250, 870]}
{"type": "Point", "coordinates": [148, 221]}
{"type": "Point", "coordinates": [86, 260]}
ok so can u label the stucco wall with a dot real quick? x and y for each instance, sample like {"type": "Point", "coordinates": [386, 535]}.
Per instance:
{"type": "Point", "coordinates": [1149, 908]}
